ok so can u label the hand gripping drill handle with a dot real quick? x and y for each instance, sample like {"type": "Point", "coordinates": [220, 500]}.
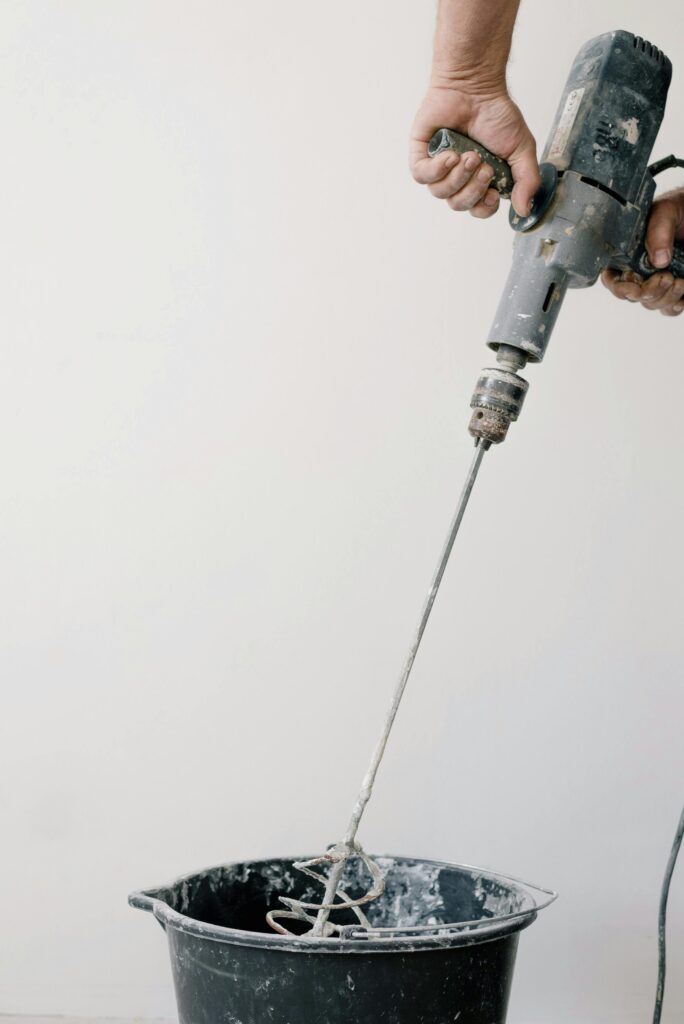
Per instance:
{"type": "Point", "coordinates": [590, 212]}
{"type": "Point", "coordinates": [503, 182]}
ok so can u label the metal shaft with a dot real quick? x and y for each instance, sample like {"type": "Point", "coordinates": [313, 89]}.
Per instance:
{"type": "Point", "coordinates": [366, 790]}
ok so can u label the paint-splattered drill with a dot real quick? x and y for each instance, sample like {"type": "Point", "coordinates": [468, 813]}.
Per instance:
{"type": "Point", "coordinates": [589, 214]}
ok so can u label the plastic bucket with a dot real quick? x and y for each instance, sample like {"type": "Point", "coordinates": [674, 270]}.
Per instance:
{"type": "Point", "coordinates": [441, 948]}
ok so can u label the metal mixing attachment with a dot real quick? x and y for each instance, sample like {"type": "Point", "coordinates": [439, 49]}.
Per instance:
{"type": "Point", "coordinates": [335, 898]}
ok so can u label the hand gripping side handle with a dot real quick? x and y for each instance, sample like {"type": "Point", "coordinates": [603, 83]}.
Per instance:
{"type": "Point", "coordinates": [502, 181]}
{"type": "Point", "coordinates": [444, 138]}
{"type": "Point", "coordinates": [643, 266]}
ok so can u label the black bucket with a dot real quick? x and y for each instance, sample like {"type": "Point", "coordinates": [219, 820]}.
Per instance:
{"type": "Point", "coordinates": [441, 946]}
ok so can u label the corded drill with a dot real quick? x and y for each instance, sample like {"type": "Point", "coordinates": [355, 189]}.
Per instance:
{"type": "Point", "coordinates": [589, 213]}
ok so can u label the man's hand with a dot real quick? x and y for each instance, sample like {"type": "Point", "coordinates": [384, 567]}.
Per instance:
{"type": "Point", "coordinates": [662, 291]}
{"type": "Point", "coordinates": [495, 122]}
{"type": "Point", "coordinates": [468, 94]}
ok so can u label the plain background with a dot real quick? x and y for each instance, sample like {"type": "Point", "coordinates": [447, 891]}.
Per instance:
{"type": "Point", "coordinates": [238, 347]}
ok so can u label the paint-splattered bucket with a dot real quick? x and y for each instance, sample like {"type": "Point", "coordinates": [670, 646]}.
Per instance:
{"type": "Point", "coordinates": [441, 947]}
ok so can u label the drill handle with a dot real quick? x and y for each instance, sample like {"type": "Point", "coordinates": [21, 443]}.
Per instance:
{"type": "Point", "coordinates": [643, 266]}
{"type": "Point", "coordinates": [677, 265]}
{"type": "Point", "coordinates": [444, 138]}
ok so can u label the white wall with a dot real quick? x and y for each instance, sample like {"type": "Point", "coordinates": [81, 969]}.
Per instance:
{"type": "Point", "coordinates": [238, 346]}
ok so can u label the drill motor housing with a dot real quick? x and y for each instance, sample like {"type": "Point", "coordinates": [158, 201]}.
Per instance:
{"type": "Point", "coordinates": [600, 145]}
{"type": "Point", "coordinates": [590, 213]}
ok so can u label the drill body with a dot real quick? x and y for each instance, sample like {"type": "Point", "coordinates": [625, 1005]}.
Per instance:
{"type": "Point", "coordinates": [589, 214]}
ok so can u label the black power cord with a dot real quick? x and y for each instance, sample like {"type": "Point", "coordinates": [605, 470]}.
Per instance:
{"type": "Point", "coordinates": [658, 167]}
{"type": "Point", "coordinates": [662, 913]}
{"type": "Point", "coordinates": [665, 164]}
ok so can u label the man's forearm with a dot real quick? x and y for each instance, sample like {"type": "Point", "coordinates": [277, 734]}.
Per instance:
{"type": "Point", "coordinates": [472, 43]}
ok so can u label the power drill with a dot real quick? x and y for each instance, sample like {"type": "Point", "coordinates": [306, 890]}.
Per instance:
{"type": "Point", "coordinates": [589, 213]}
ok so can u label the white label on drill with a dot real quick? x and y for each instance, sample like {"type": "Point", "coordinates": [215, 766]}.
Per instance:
{"type": "Point", "coordinates": [567, 120]}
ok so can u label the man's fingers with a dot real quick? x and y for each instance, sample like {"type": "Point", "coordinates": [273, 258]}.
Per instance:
{"type": "Point", "coordinates": [487, 206]}
{"type": "Point", "coordinates": [661, 291]}
{"type": "Point", "coordinates": [664, 222]}
{"type": "Point", "coordinates": [458, 177]}
{"type": "Point", "coordinates": [427, 170]}
{"type": "Point", "coordinates": [672, 297]}
{"type": "Point", "coordinates": [658, 292]}
{"type": "Point", "coordinates": [608, 278]}
{"type": "Point", "coordinates": [622, 286]}
{"type": "Point", "coordinates": [523, 192]}
{"type": "Point", "coordinates": [472, 193]}
{"type": "Point", "coordinates": [526, 177]}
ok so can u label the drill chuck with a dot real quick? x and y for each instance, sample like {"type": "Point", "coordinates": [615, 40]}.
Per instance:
{"type": "Point", "coordinates": [496, 403]}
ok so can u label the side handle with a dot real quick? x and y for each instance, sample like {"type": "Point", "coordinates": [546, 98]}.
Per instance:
{"type": "Point", "coordinates": [502, 181]}
{"type": "Point", "coordinates": [444, 138]}
{"type": "Point", "coordinates": [677, 265]}
{"type": "Point", "coordinates": [643, 266]}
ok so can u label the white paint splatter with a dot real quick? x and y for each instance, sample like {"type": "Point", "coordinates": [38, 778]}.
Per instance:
{"type": "Point", "coordinates": [631, 129]}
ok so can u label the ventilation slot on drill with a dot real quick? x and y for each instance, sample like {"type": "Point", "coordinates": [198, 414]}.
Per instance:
{"type": "Point", "coordinates": [604, 188]}
{"type": "Point", "coordinates": [648, 48]}
{"type": "Point", "coordinates": [548, 297]}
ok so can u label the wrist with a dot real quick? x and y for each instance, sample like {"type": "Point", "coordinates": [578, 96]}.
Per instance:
{"type": "Point", "coordinates": [474, 80]}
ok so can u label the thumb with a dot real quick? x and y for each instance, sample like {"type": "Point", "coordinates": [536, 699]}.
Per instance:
{"type": "Point", "coordinates": [525, 175]}
{"type": "Point", "coordinates": [663, 222]}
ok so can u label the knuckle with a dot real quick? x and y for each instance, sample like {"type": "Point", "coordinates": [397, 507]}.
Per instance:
{"type": "Point", "coordinates": [445, 189]}
{"type": "Point", "coordinates": [426, 171]}
{"type": "Point", "coordinates": [481, 212]}
{"type": "Point", "coordinates": [475, 195]}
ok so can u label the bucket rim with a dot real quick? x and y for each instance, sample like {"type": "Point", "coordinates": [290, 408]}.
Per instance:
{"type": "Point", "coordinates": [375, 940]}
